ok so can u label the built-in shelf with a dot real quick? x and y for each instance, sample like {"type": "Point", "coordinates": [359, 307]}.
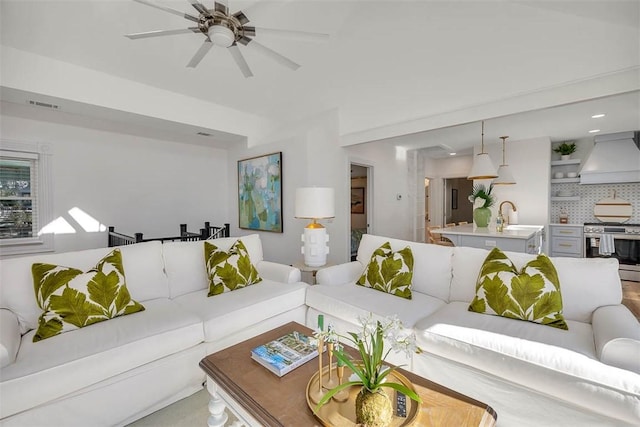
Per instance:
{"type": "Point", "coordinates": [564, 180]}
{"type": "Point", "coordinates": [565, 198]}
{"type": "Point", "coordinates": [565, 162]}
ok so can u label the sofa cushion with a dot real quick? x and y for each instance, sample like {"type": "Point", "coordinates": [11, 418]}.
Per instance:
{"type": "Point", "coordinates": [432, 263]}
{"type": "Point", "coordinates": [531, 293]}
{"type": "Point", "coordinates": [72, 299]}
{"type": "Point", "coordinates": [555, 362]}
{"type": "Point", "coordinates": [349, 301]}
{"type": "Point", "coordinates": [587, 283]}
{"type": "Point", "coordinates": [143, 263]}
{"type": "Point", "coordinates": [50, 368]}
{"type": "Point", "coordinates": [185, 267]}
{"type": "Point", "coordinates": [389, 271]}
{"type": "Point", "coordinates": [232, 312]}
{"type": "Point", "coordinates": [229, 270]}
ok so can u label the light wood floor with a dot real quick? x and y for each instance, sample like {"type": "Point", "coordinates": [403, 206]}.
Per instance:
{"type": "Point", "coordinates": [631, 296]}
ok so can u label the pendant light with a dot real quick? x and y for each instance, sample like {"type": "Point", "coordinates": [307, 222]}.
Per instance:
{"type": "Point", "coordinates": [505, 177]}
{"type": "Point", "coordinates": [482, 167]}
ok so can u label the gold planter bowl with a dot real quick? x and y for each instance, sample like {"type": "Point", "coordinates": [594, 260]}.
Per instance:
{"type": "Point", "coordinates": [338, 414]}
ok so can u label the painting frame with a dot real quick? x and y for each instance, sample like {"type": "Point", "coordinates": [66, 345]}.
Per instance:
{"type": "Point", "coordinates": [260, 193]}
{"type": "Point", "coordinates": [357, 200]}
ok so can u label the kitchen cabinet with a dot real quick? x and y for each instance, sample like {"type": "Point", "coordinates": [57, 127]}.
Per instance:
{"type": "Point", "coordinates": [514, 238]}
{"type": "Point", "coordinates": [566, 240]}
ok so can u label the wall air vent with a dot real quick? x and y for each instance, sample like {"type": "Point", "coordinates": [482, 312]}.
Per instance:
{"type": "Point", "coordinates": [43, 104]}
{"type": "Point", "coordinates": [204, 134]}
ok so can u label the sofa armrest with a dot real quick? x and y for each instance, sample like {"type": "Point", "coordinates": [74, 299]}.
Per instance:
{"type": "Point", "coordinates": [9, 337]}
{"type": "Point", "coordinates": [278, 272]}
{"type": "Point", "coordinates": [616, 332]}
{"type": "Point", "coordinates": [339, 274]}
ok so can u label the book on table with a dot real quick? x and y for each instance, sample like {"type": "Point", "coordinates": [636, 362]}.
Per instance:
{"type": "Point", "coordinates": [286, 353]}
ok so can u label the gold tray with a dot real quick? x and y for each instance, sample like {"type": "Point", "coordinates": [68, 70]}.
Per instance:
{"type": "Point", "coordinates": [337, 414]}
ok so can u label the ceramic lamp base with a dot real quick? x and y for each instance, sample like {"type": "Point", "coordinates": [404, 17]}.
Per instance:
{"type": "Point", "coordinates": [315, 248]}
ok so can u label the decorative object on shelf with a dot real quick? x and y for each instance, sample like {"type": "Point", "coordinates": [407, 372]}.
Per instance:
{"type": "Point", "coordinates": [558, 175]}
{"type": "Point", "coordinates": [564, 217]}
{"type": "Point", "coordinates": [315, 203]}
{"type": "Point", "coordinates": [260, 193]}
{"type": "Point", "coordinates": [373, 407]}
{"type": "Point", "coordinates": [565, 149]}
{"type": "Point", "coordinates": [505, 177]}
{"type": "Point", "coordinates": [482, 167]}
{"type": "Point", "coordinates": [482, 200]}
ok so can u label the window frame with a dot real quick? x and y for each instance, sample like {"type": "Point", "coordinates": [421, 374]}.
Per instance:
{"type": "Point", "coordinates": [39, 153]}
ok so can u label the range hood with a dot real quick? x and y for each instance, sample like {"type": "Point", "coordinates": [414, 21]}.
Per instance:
{"type": "Point", "coordinates": [615, 158]}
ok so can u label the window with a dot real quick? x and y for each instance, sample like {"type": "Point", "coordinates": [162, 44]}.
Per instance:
{"type": "Point", "coordinates": [24, 198]}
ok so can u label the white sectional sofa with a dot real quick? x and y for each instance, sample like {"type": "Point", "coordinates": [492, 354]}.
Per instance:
{"type": "Point", "coordinates": [119, 370]}
{"type": "Point", "coordinates": [531, 374]}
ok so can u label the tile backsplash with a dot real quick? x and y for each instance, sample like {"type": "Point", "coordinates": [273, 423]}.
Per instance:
{"type": "Point", "coordinates": [581, 211]}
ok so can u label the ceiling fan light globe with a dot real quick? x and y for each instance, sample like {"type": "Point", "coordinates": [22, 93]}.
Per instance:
{"type": "Point", "coordinates": [221, 36]}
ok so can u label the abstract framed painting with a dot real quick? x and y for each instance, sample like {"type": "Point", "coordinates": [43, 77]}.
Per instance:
{"type": "Point", "coordinates": [260, 193]}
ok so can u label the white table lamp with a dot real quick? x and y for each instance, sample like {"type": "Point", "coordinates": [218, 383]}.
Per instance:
{"type": "Point", "coordinates": [315, 203]}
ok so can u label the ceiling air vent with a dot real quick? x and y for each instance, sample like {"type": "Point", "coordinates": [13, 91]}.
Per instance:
{"type": "Point", "coordinates": [44, 104]}
{"type": "Point", "coordinates": [204, 134]}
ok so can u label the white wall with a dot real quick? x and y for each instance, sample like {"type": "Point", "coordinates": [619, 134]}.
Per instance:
{"type": "Point", "coordinates": [390, 217]}
{"type": "Point", "coordinates": [311, 156]}
{"type": "Point", "coordinates": [529, 160]}
{"type": "Point", "coordinates": [135, 184]}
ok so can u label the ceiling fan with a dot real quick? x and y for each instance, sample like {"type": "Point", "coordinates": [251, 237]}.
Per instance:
{"type": "Point", "coordinates": [223, 29]}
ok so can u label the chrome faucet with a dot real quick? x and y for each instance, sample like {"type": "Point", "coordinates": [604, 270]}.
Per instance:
{"type": "Point", "coordinates": [513, 207]}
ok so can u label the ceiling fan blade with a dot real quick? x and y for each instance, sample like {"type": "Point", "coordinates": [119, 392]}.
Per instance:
{"type": "Point", "coordinates": [234, 50]}
{"type": "Point", "coordinates": [281, 59]}
{"type": "Point", "coordinates": [198, 6]}
{"type": "Point", "coordinates": [202, 51]}
{"type": "Point", "coordinates": [221, 6]}
{"type": "Point", "coordinates": [168, 9]}
{"type": "Point", "coordinates": [158, 33]}
{"type": "Point", "coordinates": [256, 9]}
{"type": "Point", "coordinates": [300, 35]}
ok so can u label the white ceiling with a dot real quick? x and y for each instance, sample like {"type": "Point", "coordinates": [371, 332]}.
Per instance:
{"type": "Point", "coordinates": [385, 61]}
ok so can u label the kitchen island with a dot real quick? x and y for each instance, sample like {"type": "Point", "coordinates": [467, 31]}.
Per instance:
{"type": "Point", "coordinates": [514, 238]}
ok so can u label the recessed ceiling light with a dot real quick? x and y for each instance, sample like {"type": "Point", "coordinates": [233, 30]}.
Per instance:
{"type": "Point", "coordinates": [452, 154]}
{"type": "Point", "coordinates": [597, 116]}
{"type": "Point", "coordinates": [594, 130]}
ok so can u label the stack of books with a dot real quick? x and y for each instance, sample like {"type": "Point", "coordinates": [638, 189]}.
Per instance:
{"type": "Point", "coordinates": [286, 353]}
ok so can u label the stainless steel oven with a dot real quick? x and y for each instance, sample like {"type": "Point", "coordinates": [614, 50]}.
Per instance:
{"type": "Point", "coordinates": [626, 246]}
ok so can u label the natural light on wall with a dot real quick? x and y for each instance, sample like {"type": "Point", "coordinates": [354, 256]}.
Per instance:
{"type": "Point", "coordinates": [86, 221]}
{"type": "Point", "coordinates": [57, 226]}
{"type": "Point", "coordinates": [401, 153]}
{"type": "Point", "coordinates": [61, 226]}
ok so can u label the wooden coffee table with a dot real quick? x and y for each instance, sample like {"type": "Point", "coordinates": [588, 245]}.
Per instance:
{"type": "Point", "coordinates": [257, 397]}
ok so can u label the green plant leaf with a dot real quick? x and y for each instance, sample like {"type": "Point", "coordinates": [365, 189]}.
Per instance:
{"type": "Point", "coordinates": [72, 306]}
{"type": "Point", "coordinates": [47, 329]}
{"type": "Point", "coordinates": [49, 278]}
{"type": "Point", "coordinates": [543, 264]}
{"type": "Point", "coordinates": [478, 305]}
{"type": "Point", "coordinates": [497, 295]}
{"type": "Point", "coordinates": [389, 268]}
{"type": "Point", "coordinates": [103, 290]}
{"type": "Point", "coordinates": [549, 303]}
{"type": "Point", "coordinates": [228, 275]}
{"type": "Point", "coordinates": [526, 290]}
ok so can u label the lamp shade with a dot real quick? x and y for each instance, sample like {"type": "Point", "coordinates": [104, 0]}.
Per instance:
{"type": "Point", "coordinates": [315, 202]}
{"type": "Point", "coordinates": [505, 176]}
{"type": "Point", "coordinates": [482, 168]}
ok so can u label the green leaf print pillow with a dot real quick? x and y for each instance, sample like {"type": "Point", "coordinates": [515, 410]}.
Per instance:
{"type": "Point", "coordinates": [230, 270]}
{"type": "Point", "coordinates": [72, 299]}
{"type": "Point", "coordinates": [531, 294]}
{"type": "Point", "coordinates": [389, 271]}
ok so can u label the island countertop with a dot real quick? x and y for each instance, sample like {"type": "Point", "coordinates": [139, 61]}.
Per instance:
{"type": "Point", "coordinates": [510, 231]}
